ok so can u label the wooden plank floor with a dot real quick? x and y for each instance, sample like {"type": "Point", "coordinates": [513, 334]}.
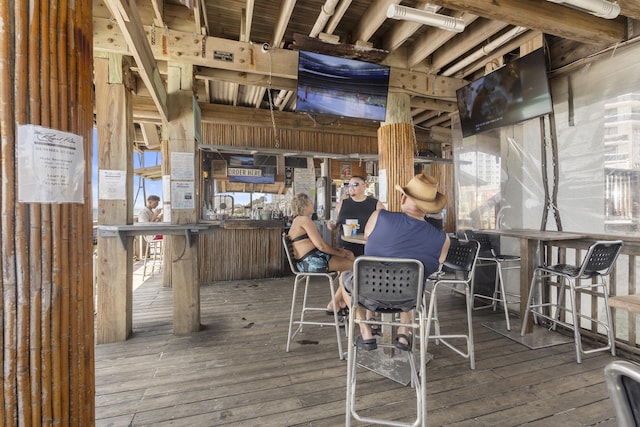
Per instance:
{"type": "Point", "coordinates": [235, 371]}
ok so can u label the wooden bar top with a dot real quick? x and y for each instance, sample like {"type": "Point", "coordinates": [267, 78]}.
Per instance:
{"type": "Point", "coordinates": [540, 235]}
{"type": "Point", "coordinates": [252, 223]}
{"type": "Point", "coordinates": [631, 303]}
{"type": "Point", "coordinates": [356, 238]}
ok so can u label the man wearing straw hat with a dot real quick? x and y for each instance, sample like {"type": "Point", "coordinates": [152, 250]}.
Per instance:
{"type": "Point", "coordinates": [403, 235]}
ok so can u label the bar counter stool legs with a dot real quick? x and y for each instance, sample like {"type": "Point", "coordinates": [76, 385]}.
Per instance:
{"type": "Point", "coordinates": [590, 277]}
{"type": "Point", "coordinates": [153, 248]}
{"type": "Point", "coordinates": [502, 262]}
{"type": "Point", "coordinates": [305, 277]}
{"type": "Point", "coordinates": [387, 282]}
{"type": "Point", "coordinates": [459, 268]}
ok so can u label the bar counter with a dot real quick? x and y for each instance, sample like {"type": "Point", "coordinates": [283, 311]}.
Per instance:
{"type": "Point", "coordinates": [241, 249]}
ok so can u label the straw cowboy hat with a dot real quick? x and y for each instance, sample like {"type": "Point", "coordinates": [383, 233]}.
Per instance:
{"type": "Point", "coordinates": [423, 190]}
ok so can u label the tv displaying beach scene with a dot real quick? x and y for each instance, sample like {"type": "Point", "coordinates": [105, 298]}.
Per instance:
{"type": "Point", "coordinates": [341, 87]}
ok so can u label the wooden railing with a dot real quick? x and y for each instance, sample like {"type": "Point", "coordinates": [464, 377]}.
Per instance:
{"type": "Point", "coordinates": [623, 281]}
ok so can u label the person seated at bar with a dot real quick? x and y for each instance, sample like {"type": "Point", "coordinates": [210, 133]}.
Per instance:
{"type": "Point", "coordinates": [311, 252]}
{"type": "Point", "coordinates": [403, 234]}
{"type": "Point", "coordinates": [151, 213]}
{"type": "Point", "coordinates": [355, 205]}
{"type": "Point", "coordinates": [436, 219]}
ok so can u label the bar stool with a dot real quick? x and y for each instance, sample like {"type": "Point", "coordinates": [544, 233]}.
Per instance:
{"type": "Point", "coordinates": [458, 269]}
{"type": "Point", "coordinates": [383, 284]}
{"type": "Point", "coordinates": [503, 262]}
{"type": "Point", "coordinates": [153, 248]}
{"type": "Point", "coordinates": [301, 276]}
{"type": "Point", "coordinates": [596, 266]}
{"type": "Point", "coordinates": [623, 382]}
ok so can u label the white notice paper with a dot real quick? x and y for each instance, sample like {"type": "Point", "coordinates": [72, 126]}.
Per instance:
{"type": "Point", "coordinates": [182, 166]}
{"type": "Point", "coordinates": [182, 195]}
{"type": "Point", "coordinates": [382, 185]}
{"type": "Point", "coordinates": [112, 185]}
{"type": "Point", "coordinates": [50, 166]}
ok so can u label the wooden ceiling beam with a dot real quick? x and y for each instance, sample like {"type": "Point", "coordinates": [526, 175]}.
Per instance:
{"type": "Point", "coordinates": [630, 8]}
{"type": "Point", "coordinates": [126, 15]}
{"type": "Point", "coordinates": [547, 17]}
{"type": "Point", "coordinates": [465, 42]}
{"type": "Point", "coordinates": [372, 19]}
{"type": "Point", "coordinates": [252, 117]}
{"type": "Point", "coordinates": [247, 58]}
{"type": "Point", "coordinates": [435, 38]}
{"type": "Point", "coordinates": [245, 78]}
{"type": "Point", "coordinates": [144, 111]}
{"type": "Point", "coordinates": [433, 104]}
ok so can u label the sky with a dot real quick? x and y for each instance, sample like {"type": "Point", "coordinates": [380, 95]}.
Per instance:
{"type": "Point", "coordinates": [152, 187]}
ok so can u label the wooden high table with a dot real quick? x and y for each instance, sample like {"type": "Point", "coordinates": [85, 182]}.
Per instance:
{"type": "Point", "coordinates": [355, 238]}
{"type": "Point", "coordinates": [531, 255]}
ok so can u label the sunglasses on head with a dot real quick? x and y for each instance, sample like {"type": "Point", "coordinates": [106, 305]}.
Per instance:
{"type": "Point", "coordinates": [355, 184]}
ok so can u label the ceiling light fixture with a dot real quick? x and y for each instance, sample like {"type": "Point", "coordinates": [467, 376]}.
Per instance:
{"type": "Point", "coordinates": [426, 18]}
{"type": "Point", "coordinates": [600, 8]}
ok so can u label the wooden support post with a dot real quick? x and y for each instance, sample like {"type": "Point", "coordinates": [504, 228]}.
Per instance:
{"type": "Point", "coordinates": [396, 147]}
{"type": "Point", "coordinates": [114, 287]}
{"type": "Point", "coordinates": [183, 257]}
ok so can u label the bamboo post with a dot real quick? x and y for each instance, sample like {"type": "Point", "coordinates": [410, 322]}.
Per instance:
{"type": "Point", "coordinates": [396, 147]}
{"type": "Point", "coordinates": [45, 58]}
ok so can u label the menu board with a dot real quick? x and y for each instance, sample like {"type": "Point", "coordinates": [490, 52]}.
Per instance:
{"type": "Point", "coordinates": [304, 181]}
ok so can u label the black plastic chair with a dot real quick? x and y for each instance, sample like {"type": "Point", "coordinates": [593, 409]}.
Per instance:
{"type": "Point", "coordinates": [303, 276]}
{"type": "Point", "coordinates": [458, 269]}
{"type": "Point", "coordinates": [593, 274]}
{"type": "Point", "coordinates": [503, 262]}
{"type": "Point", "coordinates": [623, 382]}
{"type": "Point", "coordinates": [384, 284]}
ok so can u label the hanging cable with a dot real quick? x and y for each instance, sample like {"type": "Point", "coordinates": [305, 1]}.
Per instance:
{"type": "Point", "coordinates": [273, 119]}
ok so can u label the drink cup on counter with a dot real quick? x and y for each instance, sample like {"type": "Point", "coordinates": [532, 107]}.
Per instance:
{"type": "Point", "coordinates": [346, 229]}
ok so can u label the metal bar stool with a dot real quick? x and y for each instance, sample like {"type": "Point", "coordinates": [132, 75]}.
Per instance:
{"type": "Point", "coordinates": [502, 262]}
{"type": "Point", "coordinates": [153, 249]}
{"type": "Point", "coordinates": [303, 276]}
{"type": "Point", "coordinates": [458, 270]}
{"type": "Point", "coordinates": [595, 268]}
{"type": "Point", "coordinates": [623, 382]}
{"type": "Point", "coordinates": [383, 284]}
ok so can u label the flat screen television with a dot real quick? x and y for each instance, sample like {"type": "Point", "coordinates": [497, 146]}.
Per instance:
{"type": "Point", "coordinates": [244, 169]}
{"type": "Point", "coordinates": [341, 87]}
{"type": "Point", "coordinates": [513, 93]}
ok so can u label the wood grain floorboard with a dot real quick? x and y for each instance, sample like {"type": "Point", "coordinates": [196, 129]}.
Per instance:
{"type": "Point", "coordinates": [235, 370]}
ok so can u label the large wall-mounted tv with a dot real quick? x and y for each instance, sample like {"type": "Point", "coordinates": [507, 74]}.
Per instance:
{"type": "Point", "coordinates": [515, 92]}
{"type": "Point", "coordinates": [341, 87]}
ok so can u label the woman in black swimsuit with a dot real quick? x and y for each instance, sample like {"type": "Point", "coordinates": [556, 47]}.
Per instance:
{"type": "Point", "coordinates": [312, 253]}
{"type": "Point", "coordinates": [310, 250]}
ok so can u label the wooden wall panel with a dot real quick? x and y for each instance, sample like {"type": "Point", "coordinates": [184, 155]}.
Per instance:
{"type": "Point", "coordinates": [289, 140]}
{"type": "Point", "coordinates": [236, 254]}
